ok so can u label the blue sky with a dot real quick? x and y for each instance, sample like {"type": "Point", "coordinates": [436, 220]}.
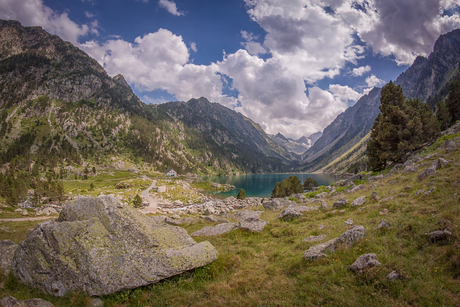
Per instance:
{"type": "Point", "coordinates": [291, 66]}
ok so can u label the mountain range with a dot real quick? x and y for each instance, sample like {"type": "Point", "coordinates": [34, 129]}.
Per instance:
{"type": "Point", "coordinates": [58, 107]}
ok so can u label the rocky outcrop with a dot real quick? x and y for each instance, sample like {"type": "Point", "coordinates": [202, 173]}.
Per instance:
{"type": "Point", "coordinates": [99, 246]}
{"type": "Point", "coordinates": [364, 262]}
{"type": "Point", "coordinates": [252, 225]}
{"type": "Point", "coordinates": [346, 239]}
{"type": "Point", "coordinates": [277, 204]}
{"type": "Point", "coordinates": [293, 212]}
{"type": "Point", "coordinates": [10, 301]}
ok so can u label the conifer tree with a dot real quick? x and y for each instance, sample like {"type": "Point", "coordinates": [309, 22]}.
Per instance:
{"type": "Point", "coordinates": [453, 101]}
{"type": "Point", "coordinates": [309, 184]}
{"type": "Point", "coordinates": [241, 194]}
{"type": "Point", "coordinates": [443, 115]}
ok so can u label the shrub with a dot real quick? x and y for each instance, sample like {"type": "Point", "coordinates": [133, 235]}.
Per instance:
{"type": "Point", "coordinates": [241, 194]}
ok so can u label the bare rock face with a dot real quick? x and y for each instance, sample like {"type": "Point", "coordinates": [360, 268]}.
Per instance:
{"type": "Point", "coordinates": [99, 246]}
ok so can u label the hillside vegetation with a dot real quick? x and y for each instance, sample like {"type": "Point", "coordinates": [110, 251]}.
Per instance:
{"type": "Point", "coordinates": [267, 268]}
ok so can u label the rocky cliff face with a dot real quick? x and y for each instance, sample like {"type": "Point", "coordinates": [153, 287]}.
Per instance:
{"type": "Point", "coordinates": [344, 132]}
{"type": "Point", "coordinates": [427, 79]}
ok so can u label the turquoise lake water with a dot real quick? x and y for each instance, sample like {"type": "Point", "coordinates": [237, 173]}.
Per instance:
{"type": "Point", "coordinates": [262, 185]}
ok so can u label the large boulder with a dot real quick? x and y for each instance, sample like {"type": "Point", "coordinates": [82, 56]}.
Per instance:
{"type": "Point", "coordinates": [277, 204]}
{"type": "Point", "coordinates": [7, 248]}
{"type": "Point", "coordinates": [346, 239]}
{"type": "Point", "coordinates": [10, 301]}
{"type": "Point", "coordinates": [364, 262]}
{"type": "Point", "coordinates": [247, 214]}
{"type": "Point", "coordinates": [208, 231]}
{"type": "Point", "coordinates": [252, 225]}
{"type": "Point", "coordinates": [293, 212]}
{"type": "Point", "coordinates": [99, 246]}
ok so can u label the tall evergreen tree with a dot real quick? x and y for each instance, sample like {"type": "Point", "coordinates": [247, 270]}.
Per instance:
{"type": "Point", "coordinates": [443, 115]}
{"type": "Point", "coordinates": [453, 101]}
{"type": "Point", "coordinates": [400, 128]}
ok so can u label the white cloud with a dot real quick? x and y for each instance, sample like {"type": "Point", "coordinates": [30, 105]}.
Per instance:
{"type": "Point", "coordinates": [170, 6]}
{"type": "Point", "coordinates": [34, 12]}
{"type": "Point", "coordinates": [159, 60]}
{"type": "Point", "coordinates": [89, 14]}
{"type": "Point", "coordinates": [357, 72]}
{"type": "Point", "coordinates": [193, 46]}
{"type": "Point", "coordinates": [372, 81]}
{"type": "Point", "coordinates": [254, 48]}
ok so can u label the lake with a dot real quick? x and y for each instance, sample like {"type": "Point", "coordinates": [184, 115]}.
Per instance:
{"type": "Point", "coordinates": [262, 185]}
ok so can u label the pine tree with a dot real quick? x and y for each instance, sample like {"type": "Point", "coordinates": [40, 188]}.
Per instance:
{"type": "Point", "coordinates": [400, 128]}
{"type": "Point", "coordinates": [453, 101]}
{"type": "Point", "coordinates": [443, 115]}
{"type": "Point", "coordinates": [309, 184]}
{"type": "Point", "coordinates": [137, 202]}
{"type": "Point", "coordinates": [241, 194]}
{"type": "Point", "coordinates": [289, 186]}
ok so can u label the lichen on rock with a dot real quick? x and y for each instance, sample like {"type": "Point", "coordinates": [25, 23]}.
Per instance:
{"type": "Point", "coordinates": [99, 246]}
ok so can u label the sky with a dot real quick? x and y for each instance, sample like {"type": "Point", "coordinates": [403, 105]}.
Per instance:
{"type": "Point", "coordinates": [290, 65]}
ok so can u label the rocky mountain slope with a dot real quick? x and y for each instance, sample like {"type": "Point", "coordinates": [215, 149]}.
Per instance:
{"type": "Point", "coordinates": [59, 105]}
{"type": "Point", "coordinates": [299, 146]}
{"type": "Point", "coordinates": [427, 79]}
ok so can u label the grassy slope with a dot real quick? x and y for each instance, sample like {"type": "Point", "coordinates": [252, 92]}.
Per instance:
{"type": "Point", "coordinates": [267, 268]}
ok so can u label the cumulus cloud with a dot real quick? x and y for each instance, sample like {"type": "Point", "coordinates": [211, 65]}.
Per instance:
{"type": "Point", "coordinates": [372, 81]}
{"type": "Point", "coordinates": [250, 45]}
{"type": "Point", "coordinates": [357, 72]}
{"type": "Point", "coordinates": [193, 47]}
{"type": "Point", "coordinates": [159, 60]}
{"type": "Point", "coordinates": [170, 6]}
{"type": "Point", "coordinates": [34, 12]}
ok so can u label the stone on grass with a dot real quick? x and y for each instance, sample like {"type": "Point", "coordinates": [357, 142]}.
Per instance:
{"type": "Point", "coordinates": [293, 212]}
{"type": "Point", "coordinates": [208, 231]}
{"type": "Point", "coordinates": [364, 262]}
{"type": "Point", "coordinates": [429, 191]}
{"type": "Point", "coordinates": [348, 222]}
{"type": "Point", "coordinates": [10, 301]}
{"type": "Point", "coordinates": [97, 302]}
{"type": "Point", "coordinates": [340, 203]}
{"type": "Point", "coordinates": [383, 225]}
{"type": "Point", "coordinates": [359, 201]}
{"type": "Point", "coordinates": [438, 235]}
{"type": "Point", "coordinates": [314, 238]}
{"type": "Point", "coordinates": [99, 246]}
{"type": "Point", "coordinates": [211, 218]}
{"type": "Point", "coordinates": [384, 200]}
{"type": "Point", "coordinates": [7, 248]}
{"type": "Point", "coordinates": [252, 225]}
{"type": "Point", "coordinates": [450, 146]}
{"type": "Point", "coordinates": [321, 195]}
{"type": "Point", "coordinates": [393, 276]}
{"type": "Point", "coordinates": [247, 214]}
{"type": "Point", "coordinates": [346, 239]}
{"type": "Point", "coordinates": [431, 171]}
{"type": "Point", "coordinates": [419, 192]}
{"type": "Point", "coordinates": [384, 212]}
{"type": "Point", "coordinates": [324, 205]}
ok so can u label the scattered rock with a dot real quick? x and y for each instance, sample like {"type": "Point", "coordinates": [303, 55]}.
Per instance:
{"type": "Point", "coordinates": [410, 169]}
{"type": "Point", "coordinates": [384, 212]}
{"type": "Point", "coordinates": [457, 182]}
{"type": "Point", "coordinates": [438, 235]}
{"type": "Point", "coordinates": [348, 222]}
{"type": "Point", "coordinates": [393, 276]}
{"type": "Point", "coordinates": [252, 225]}
{"type": "Point", "coordinates": [384, 200]}
{"type": "Point", "coordinates": [340, 203]}
{"type": "Point", "coordinates": [247, 214]}
{"type": "Point", "coordinates": [321, 227]}
{"type": "Point", "coordinates": [429, 191]}
{"type": "Point", "coordinates": [208, 231]}
{"type": "Point", "coordinates": [277, 204]}
{"type": "Point", "coordinates": [97, 302]}
{"type": "Point", "coordinates": [10, 301]}
{"type": "Point", "coordinates": [348, 238]}
{"type": "Point", "coordinates": [211, 218]}
{"type": "Point", "coordinates": [356, 188]}
{"type": "Point", "coordinates": [158, 219]}
{"type": "Point", "coordinates": [24, 212]}
{"type": "Point", "coordinates": [293, 212]}
{"type": "Point", "coordinates": [431, 171]}
{"type": "Point", "coordinates": [374, 196]}
{"type": "Point", "coordinates": [375, 178]}
{"type": "Point", "coordinates": [403, 194]}
{"type": "Point", "coordinates": [325, 207]}
{"type": "Point", "coordinates": [419, 192]}
{"type": "Point", "coordinates": [383, 225]}
{"type": "Point", "coordinates": [359, 201]}
{"type": "Point", "coordinates": [314, 238]}
{"type": "Point", "coordinates": [209, 210]}
{"type": "Point", "coordinates": [7, 248]}
{"type": "Point", "coordinates": [407, 188]}
{"type": "Point", "coordinates": [450, 146]}
{"type": "Point", "coordinates": [99, 246]}
{"type": "Point", "coordinates": [47, 211]}
{"type": "Point", "coordinates": [364, 262]}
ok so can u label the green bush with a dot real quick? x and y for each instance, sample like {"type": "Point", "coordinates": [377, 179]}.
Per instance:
{"type": "Point", "coordinates": [241, 194]}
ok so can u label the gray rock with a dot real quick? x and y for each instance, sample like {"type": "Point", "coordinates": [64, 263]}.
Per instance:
{"type": "Point", "coordinates": [247, 214]}
{"type": "Point", "coordinates": [209, 210]}
{"type": "Point", "coordinates": [321, 195]}
{"type": "Point", "coordinates": [346, 239]}
{"type": "Point", "coordinates": [385, 200]}
{"type": "Point", "coordinates": [7, 248]}
{"type": "Point", "coordinates": [359, 201]}
{"type": "Point", "coordinates": [450, 146]}
{"type": "Point", "coordinates": [10, 301]}
{"type": "Point", "coordinates": [383, 224]}
{"type": "Point", "coordinates": [208, 231]}
{"type": "Point", "coordinates": [375, 178]}
{"type": "Point", "coordinates": [293, 212]}
{"type": "Point", "coordinates": [99, 246]}
{"type": "Point", "coordinates": [410, 169]}
{"type": "Point", "coordinates": [211, 218]}
{"type": "Point", "coordinates": [374, 196]}
{"type": "Point", "coordinates": [321, 227]}
{"type": "Point", "coordinates": [419, 192]}
{"type": "Point", "coordinates": [348, 222]}
{"type": "Point", "coordinates": [252, 225]}
{"type": "Point", "coordinates": [97, 302]}
{"type": "Point", "coordinates": [277, 204]}
{"type": "Point", "coordinates": [340, 203]}
{"type": "Point", "coordinates": [393, 276]}
{"type": "Point", "coordinates": [314, 238]}
{"type": "Point", "coordinates": [407, 188]}
{"type": "Point", "coordinates": [429, 191]}
{"type": "Point", "coordinates": [431, 171]}
{"type": "Point", "coordinates": [438, 235]}
{"type": "Point", "coordinates": [364, 262]}
{"type": "Point", "coordinates": [324, 206]}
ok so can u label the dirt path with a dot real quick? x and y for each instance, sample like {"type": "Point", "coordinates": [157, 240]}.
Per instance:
{"type": "Point", "coordinates": [152, 207]}
{"type": "Point", "coordinates": [22, 219]}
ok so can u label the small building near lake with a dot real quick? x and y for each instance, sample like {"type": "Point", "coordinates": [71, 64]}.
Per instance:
{"type": "Point", "coordinates": [171, 173]}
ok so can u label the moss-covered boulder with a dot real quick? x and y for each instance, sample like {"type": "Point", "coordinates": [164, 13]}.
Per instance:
{"type": "Point", "coordinates": [99, 246]}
